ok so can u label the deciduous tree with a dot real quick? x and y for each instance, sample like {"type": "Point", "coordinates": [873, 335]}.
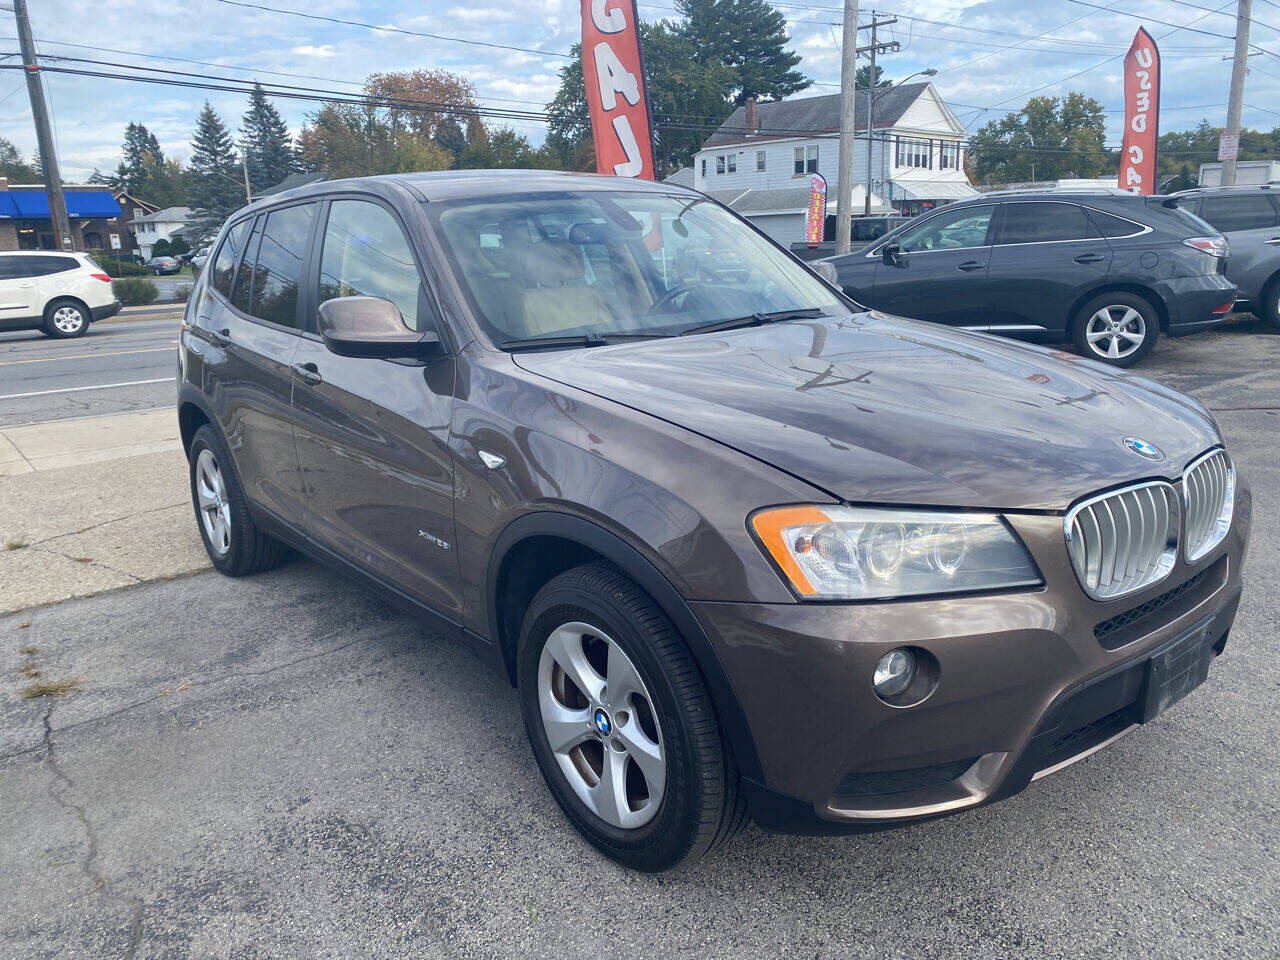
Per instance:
{"type": "Point", "coordinates": [1048, 139]}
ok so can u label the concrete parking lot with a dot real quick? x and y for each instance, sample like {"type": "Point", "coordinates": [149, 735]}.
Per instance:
{"type": "Point", "coordinates": [285, 767]}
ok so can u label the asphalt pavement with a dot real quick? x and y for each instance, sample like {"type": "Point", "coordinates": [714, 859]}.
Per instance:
{"type": "Point", "coordinates": [283, 766]}
{"type": "Point", "coordinates": [116, 367]}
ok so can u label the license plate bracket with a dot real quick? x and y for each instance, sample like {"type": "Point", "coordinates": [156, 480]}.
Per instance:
{"type": "Point", "coordinates": [1178, 668]}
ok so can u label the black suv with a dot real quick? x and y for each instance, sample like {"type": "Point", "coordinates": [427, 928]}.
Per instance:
{"type": "Point", "coordinates": [1106, 269]}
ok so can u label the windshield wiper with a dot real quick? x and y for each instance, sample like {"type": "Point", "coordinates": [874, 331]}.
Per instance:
{"type": "Point", "coordinates": [755, 320]}
{"type": "Point", "coordinates": [577, 340]}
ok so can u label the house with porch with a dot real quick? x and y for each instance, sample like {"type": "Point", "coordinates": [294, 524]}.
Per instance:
{"type": "Point", "coordinates": [771, 149]}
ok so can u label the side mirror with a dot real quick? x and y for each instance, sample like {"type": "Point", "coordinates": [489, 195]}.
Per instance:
{"type": "Point", "coordinates": [372, 327]}
{"type": "Point", "coordinates": [826, 271]}
{"type": "Point", "coordinates": [890, 254]}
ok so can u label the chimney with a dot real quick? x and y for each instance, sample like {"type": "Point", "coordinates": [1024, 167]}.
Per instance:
{"type": "Point", "coordinates": [753, 118]}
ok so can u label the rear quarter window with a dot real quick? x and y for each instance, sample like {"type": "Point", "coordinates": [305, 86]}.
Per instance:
{"type": "Point", "coordinates": [1112, 227]}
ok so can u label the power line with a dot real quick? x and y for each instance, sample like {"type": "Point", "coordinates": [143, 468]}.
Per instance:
{"type": "Point", "coordinates": [1145, 18]}
{"type": "Point", "coordinates": [389, 29]}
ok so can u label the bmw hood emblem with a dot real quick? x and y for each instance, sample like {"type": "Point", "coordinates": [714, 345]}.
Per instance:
{"type": "Point", "coordinates": [602, 722]}
{"type": "Point", "coordinates": [1144, 448]}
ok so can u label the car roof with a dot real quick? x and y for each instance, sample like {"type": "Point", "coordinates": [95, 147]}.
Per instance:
{"type": "Point", "coordinates": [44, 253]}
{"type": "Point", "coordinates": [1234, 188]}
{"type": "Point", "coordinates": [452, 184]}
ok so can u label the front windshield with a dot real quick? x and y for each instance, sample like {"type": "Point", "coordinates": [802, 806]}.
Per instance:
{"type": "Point", "coordinates": [615, 263]}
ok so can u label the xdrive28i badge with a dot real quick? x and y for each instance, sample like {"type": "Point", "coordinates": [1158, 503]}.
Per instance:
{"type": "Point", "coordinates": [1144, 448]}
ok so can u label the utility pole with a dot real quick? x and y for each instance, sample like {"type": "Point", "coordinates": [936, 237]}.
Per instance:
{"type": "Point", "coordinates": [848, 122]}
{"type": "Point", "coordinates": [872, 50]}
{"type": "Point", "coordinates": [1235, 100]}
{"type": "Point", "coordinates": [244, 166]}
{"type": "Point", "coordinates": [44, 135]}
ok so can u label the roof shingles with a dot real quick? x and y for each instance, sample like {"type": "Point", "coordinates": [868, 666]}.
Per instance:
{"type": "Point", "coordinates": [807, 115]}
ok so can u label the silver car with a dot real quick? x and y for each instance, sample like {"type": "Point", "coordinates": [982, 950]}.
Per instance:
{"type": "Point", "coordinates": [1249, 217]}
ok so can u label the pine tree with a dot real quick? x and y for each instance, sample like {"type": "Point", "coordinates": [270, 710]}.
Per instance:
{"type": "Point", "coordinates": [268, 147]}
{"type": "Point", "coordinates": [214, 191]}
{"type": "Point", "coordinates": [749, 37]}
{"type": "Point", "coordinates": [141, 150]}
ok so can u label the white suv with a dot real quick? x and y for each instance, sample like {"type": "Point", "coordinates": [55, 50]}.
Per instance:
{"type": "Point", "coordinates": [59, 293]}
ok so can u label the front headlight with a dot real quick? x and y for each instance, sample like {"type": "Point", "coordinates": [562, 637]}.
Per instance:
{"type": "Point", "coordinates": [862, 553]}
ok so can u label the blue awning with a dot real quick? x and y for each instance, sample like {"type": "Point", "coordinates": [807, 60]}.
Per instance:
{"type": "Point", "coordinates": [81, 204]}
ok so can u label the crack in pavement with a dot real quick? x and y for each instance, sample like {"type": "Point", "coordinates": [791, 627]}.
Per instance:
{"type": "Point", "coordinates": [107, 523]}
{"type": "Point", "coordinates": [88, 865]}
{"type": "Point", "coordinates": [87, 561]}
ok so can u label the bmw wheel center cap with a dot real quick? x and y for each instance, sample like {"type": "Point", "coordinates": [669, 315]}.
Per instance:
{"type": "Point", "coordinates": [1144, 448]}
{"type": "Point", "coordinates": [603, 724]}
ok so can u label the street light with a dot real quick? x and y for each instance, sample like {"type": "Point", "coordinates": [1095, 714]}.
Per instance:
{"type": "Point", "coordinates": [871, 118]}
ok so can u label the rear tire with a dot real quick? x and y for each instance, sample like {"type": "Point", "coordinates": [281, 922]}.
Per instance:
{"type": "Point", "coordinates": [1117, 328]}
{"type": "Point", "coordinates": [1270, 309]}
{"type": "Point", "coordinates": [65, 319]}
{"type": "Point", "coordinates": [233, 541]}
{"type": "Point", "coordinates": [658, 735]}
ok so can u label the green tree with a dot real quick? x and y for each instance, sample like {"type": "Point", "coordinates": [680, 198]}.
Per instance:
{"type": "Point", "coordinates": [1048, 139]}
{"type": "Point", "coordinates": [14, 167]}
{"type": "Point", "coordinates": [862, 79]}
{"type": "Point", "coordinates": [689, 98]}
{"type": "Point", "coordinates": [141, 150]}
{"type": "Point", "coordinates": [358, 141]}
{"type": "Point", "coordinates": [268, 148]}
{"type": "Point", "coordinates": [215, 191]}
{"type": "Point", "coordinates": [750, 38]}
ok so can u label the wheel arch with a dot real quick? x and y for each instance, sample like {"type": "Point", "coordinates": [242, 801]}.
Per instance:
{"type": "Point", "coordinates": [68, 298]}
{"type": "Point", "coordinates": [536, 547]}
{"type": "Point", "coordinates": [192, 415]}
{"type": "Point", "coordinates": [1119, 286]}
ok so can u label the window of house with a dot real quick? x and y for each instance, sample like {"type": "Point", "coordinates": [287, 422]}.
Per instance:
{"type": "Point", "coordinates": [1045, 222]}
{"type": "Point", "coordinates": [948, 156]}
{"type": "Point", "coordinates": [913, 153]}
{"type": "Point", "coordinates": [366, 254]}
{"type": "Point", "coordinates": [720, 164]}
{"type": "Point", "coordinates": [811, 159]}
{"type": "Point", "coordinates": [704, 166]}
{"type": "Point", "coordinates": [759, 161]}
{"type": "Point", "coordinates": [224, 264]}
{"type": "Point", "coordinates": [799, 162]}
{"type": "Point", "coordinates": [733, 163]}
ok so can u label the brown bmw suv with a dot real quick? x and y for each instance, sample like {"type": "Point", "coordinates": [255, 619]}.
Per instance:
{"type": "Point", "coordinates": [741, 545]}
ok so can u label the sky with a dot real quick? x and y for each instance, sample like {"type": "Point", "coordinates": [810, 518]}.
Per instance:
{"type": "Point", "coordinates": [990, 56]}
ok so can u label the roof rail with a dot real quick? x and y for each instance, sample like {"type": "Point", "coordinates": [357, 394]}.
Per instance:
{"type": "Point", "coordinates": [1234, 186]}
{"type": "Point", "coordinates": [1076, 190]}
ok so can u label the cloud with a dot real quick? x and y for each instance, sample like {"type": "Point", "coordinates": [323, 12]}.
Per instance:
{"type": "Point", "coordinates": [309, 50]}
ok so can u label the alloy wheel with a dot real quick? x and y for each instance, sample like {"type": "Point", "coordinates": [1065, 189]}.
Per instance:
{"type": "Point", "coordinates": [215, 510]}
{"type": "Point", "coordinates": [68, 319]}
{"type": "Point", "coordinates": [601, 726]}
{"type": "Point", "coordinates": [1116, 331]}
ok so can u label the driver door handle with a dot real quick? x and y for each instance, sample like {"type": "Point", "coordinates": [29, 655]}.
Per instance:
{"type": "Point", "coordinates": [220, 338]}
{"type": "Point", "coordinates": [1274, 240]}
{"type": "Point", "coordinates": [971, 265]}
{"type": "Point", "coordinates": [308, 373]}
{"type": "Point", "coordinates": [1090, 258]}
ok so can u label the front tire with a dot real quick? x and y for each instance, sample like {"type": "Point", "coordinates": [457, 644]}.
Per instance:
{"type": "Point", "coordinates": [1271, 304]}
{"type": "Point", "coordinates": [1116, 328]}
{"type": "Point", "coordinates": [232, 540]}
{"type": "Point", "coordinates": [621, 724]}
{"type": "Point", "coordinates": [65, 319]}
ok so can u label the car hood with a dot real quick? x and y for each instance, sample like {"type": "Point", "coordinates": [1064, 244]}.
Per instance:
{"type": "Point", "coordinates": [872, 408]}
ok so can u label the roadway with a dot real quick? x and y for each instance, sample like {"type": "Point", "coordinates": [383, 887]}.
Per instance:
{"type": "Point", "coordinates": [120, 366]}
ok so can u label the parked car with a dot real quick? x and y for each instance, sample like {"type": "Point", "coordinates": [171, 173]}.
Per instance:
{"type": "Point", "coordinates": [742, 546]}
{"type": "Point", "coordinates": [1107, 270]}
{"type": "Point", "coordinates": [200, 258]}
{"type": "Point", "coordinates": [59, 293]}
{"type": "Point", "coordinates": [862, 230]}
{"type": "Point", "coordinates": [1249, 217]}
{"type": "Point", "coordinates": [161, 266]}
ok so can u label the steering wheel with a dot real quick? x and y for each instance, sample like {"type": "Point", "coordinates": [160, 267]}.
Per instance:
{"type": "Point", "coordinates": [670, 297]}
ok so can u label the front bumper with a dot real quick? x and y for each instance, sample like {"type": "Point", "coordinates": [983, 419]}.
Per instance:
{"type": "Point", "coordinates": [1192, 300]}
{"type": "Point", "coordinates": [1029, 682]}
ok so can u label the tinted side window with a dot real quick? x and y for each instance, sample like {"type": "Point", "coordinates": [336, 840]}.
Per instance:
{"type": "Point", "coordinates": [1044, 223]}
{"type": "Point", "coordinates": [950, 230]}
{"type": "Point", "coordinates": [1241, 212]}
{"type": "Point", "coordinates": [15, 268]}
{"type": "Point", "coordinates": [45, 266]}
{"type": "Point", "coordinates": [366, 254]}
{"type": "Point", "coordinates": [224, 267]}
{"type": "Point", "coordinates": [279, 268]}
{"type": "Point", "coordinates": [1112, 226]}
{"type": "Point", "coordinates": [245, 274]}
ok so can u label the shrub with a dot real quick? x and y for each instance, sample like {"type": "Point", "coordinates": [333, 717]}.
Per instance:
{"type": "Point", "coordinates": [161, 248]}
{"type": "Point", "coordinates": [133, 291]}
{"type": "Point", "coordinates": [122, 268]}
{"type": "Point", "coordinates": [178, 245]}
{"type": "Point", "coordinates": [182, 292]}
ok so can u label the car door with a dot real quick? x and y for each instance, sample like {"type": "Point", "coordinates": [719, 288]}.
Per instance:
{"type": "Point", "coordinates": [940, 270]}
{"type": "Point", "coordinates": [1251, 222]}
{"type": "Point", "coordinates": [1047, 255]}
{"type": "Point", "coordinates": [17, 291]}
{"type": "Point", "coordinates": [246, 329]}
{"type": "Point", "coordinates": [373, 435]}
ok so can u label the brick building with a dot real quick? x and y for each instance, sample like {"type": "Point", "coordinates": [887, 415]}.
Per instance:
{"type": "Point", "coordinates": [25, 223]}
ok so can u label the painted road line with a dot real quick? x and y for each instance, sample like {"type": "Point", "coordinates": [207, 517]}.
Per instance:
{"type": "Point", "coordinates": [101, 386]}
{"type": "Point", "coordinates": [85, 356]}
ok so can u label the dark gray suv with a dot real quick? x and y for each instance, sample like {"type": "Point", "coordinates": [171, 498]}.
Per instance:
{"type": "Point", "coordinates": [741, 546]}
{"type": "Point", "coordinates": [1105, 269]}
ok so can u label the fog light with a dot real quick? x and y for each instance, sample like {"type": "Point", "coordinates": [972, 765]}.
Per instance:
{"type": "Point", "coordinates": [894, 672]}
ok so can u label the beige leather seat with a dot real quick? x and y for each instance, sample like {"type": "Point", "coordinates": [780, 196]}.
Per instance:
{"type": "Point", "coordinates": [562, 301]}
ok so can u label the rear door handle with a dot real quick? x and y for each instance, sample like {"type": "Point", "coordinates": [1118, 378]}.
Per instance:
{"type": "Point", "coordinates": [308, 373]}
{"type": "Point", "coordinates": [971, 265]}
{"type": "Point", "coordinates": [1274, 240]}
{"type": "Point", "coordinates": [1090, 258]}
{"type": "Point", "coordinates": [220, 338]}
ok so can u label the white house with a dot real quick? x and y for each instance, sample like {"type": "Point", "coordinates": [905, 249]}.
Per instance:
{"type": "Point", "coordinates": [917, 155]}
{"type": "Point", "coordinates": [165, 224]}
